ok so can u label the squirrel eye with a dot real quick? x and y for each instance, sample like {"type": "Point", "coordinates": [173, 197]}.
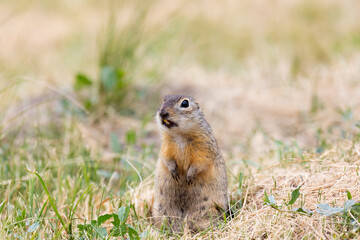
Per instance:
{"type": "Point", "coordinates": [184, 104]}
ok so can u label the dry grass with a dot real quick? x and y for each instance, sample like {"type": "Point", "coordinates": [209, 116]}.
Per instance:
{"type": "Point", "coordinates": [324, 178]}
{"type": "Point", "coordinates": [278, 82]}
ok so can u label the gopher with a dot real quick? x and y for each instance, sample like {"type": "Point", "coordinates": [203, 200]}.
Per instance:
{"type": "Point", "coordinates": [191, 178]}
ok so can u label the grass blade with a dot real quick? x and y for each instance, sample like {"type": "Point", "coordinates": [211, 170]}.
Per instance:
{"type": "Point", "coordinates": [81, 197]}
{"type": "Point", "coordinates": [294, 195]}
{"type": "Point", "coordinates": [2, 206]}
{"type": "Point", "coordinates": [43, 207]}
{"type": "Point", "coordinates": [51, 200]}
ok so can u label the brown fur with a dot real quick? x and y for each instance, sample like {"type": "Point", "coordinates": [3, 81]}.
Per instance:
{"type": "Point", "coordinates": [191, 179]}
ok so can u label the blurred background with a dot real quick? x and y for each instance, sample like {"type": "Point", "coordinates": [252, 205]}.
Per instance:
{"type": "Point", "coordinates": [80, 82]}
{"type": "Point", "coordinates": [248, 63]}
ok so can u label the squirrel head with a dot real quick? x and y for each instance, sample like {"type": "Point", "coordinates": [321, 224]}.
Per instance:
{"type": "Point", "coordinates": [179, 114]}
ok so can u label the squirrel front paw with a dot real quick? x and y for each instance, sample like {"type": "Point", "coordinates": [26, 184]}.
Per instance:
{"type": "Point", "coordinates": [175, 174]}
{"type": "Point", "coordinates": [191, 174]}
{"type": "Point", "coordinates": [173, 169]}
{"type": "Point", "coordinates": [190, 179]}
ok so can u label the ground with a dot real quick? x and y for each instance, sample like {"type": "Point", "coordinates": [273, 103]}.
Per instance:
{"type": "Point", "coordinates": [278, 82]}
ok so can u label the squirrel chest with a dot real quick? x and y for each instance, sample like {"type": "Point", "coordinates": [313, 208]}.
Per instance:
{"type": "Point", "coordinates": [187, 152]}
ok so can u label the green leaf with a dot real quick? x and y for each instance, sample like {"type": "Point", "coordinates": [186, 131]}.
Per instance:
{"type": "Point", "coordinates": [116, 221]}
{"type": "Point", "coordinates": [132, 233]}
{"type": "Point", "coordinates": [348, 204]}
{"type": "Point", "coordinates": [108, 78]}
{"type": "Point", "coordinates": [88, 104]}
{"type": "Point", "coordinates": [115, 232]}
{"type": "Point", "coordinates": [348, 195]}
{"type": "Point", "coordinates": [81, 81]}
{"type": "Point", "coordinates": [131, 137]}
{"type": "Point", "coordinates": [303, 211]}
{"type": "Point", "coordinates": [355, 210]}
{"type": "Point", "coordinates": [120, 79]}
{"type": "Point", "coordinates": [103, 218]}
{"type": "Point", "coordinates": [294, 195]}
{"type": "Point", "coordinates": [102, 232]}
{"type": "Point", "coordinates": [115, 143]}
{"type": "Point", "coordinates": [269, 200]}
{"type": "Point", "coordinates": [81, 227]}
{"type": "Point", "coordinates": [272, 200]}
{"type": "Point", "coordinates": [33, 227]}
{"type": "Point", "coordinates": [123, 214]}
{"type": "Point", "coordinates": [118, 231]}
{"type": "Point", "coordinates": [325, 209]}
{"type": "Point", "coordinates": [266, 198]}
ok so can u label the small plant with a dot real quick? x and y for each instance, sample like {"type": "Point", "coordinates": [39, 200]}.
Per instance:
{"type": "Point", "coordinates": [287, 206]}
{"type": "Point", "coordinates": [322, 141]}
{"type": "Point", "coordinates": [120, 227]}
{"type": "Point", "coordinates": [118, 58]}
{"type": "Point", "coordinates": [349, 125]}
{"type": "Point", "coordinates": [111, 89]}
{"type": "Point", "coordinates": [288, 151]}
{"type": "Point", "coordinates": [349, 212]}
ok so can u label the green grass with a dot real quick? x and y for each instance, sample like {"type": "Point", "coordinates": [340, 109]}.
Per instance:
{"type": "Point", "coordinates": [54, 185]}
{"type": "Point", "coordinates": [49, 177]}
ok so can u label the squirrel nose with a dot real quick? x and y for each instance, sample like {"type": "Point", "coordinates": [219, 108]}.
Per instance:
{"type": "Point", "coordinates": [163, 114]}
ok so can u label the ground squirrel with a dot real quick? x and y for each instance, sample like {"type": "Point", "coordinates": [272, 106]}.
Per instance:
{"type": "Point", "coordinates": [190, 178]}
